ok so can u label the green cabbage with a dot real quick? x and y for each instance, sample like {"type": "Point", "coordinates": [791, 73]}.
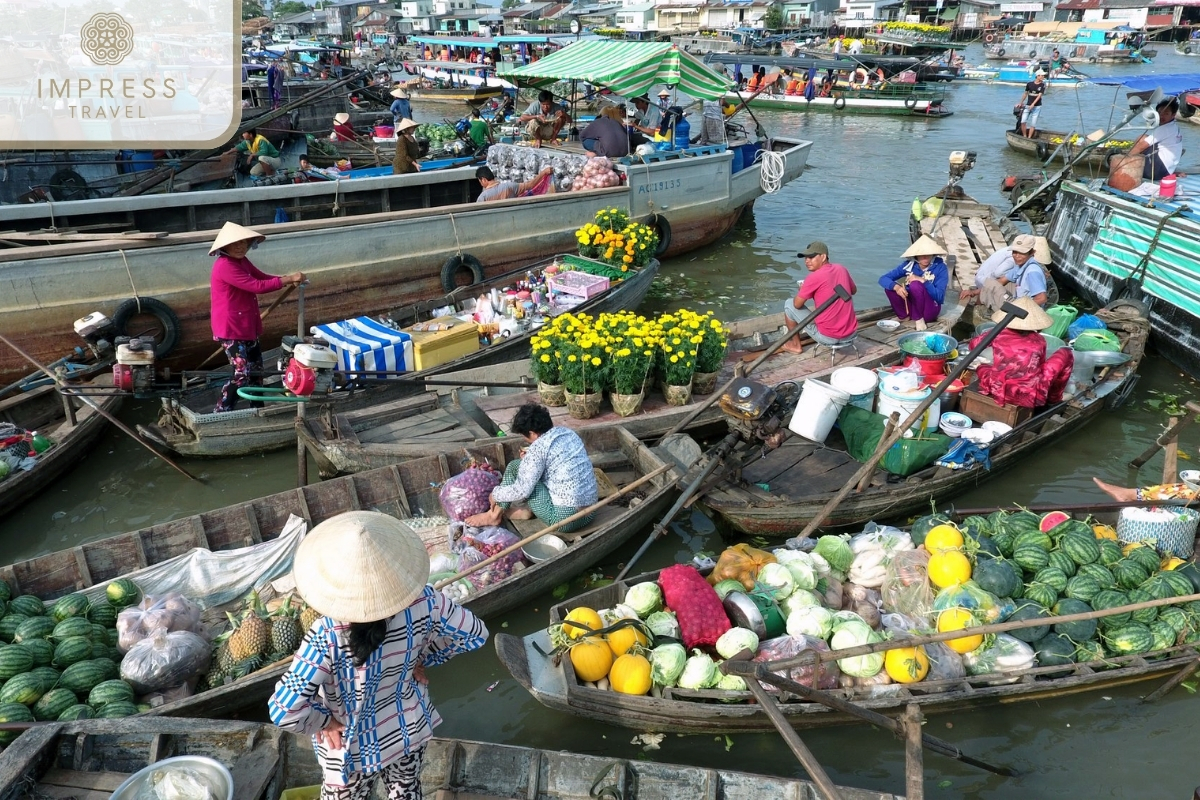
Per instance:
{"type": "Point", "coordinates": [666, 664]}
{"type": "Point", "coordinates": [836, 551]}
{"type": "Point", "coordinates": [810, 621]}
{"type": "Point", "coordinates": [804, 573]}
{"type": "Point", "coordinates": [851, 635]}
{"type": "Point", "coordinates": [801, 598]}
{"type": "Point", "coordinates": [700, 672]}
{"type": "Point", "coordinates": [778, 580]}
{"type": "Point", "coordinates": [664, 625]}
{"type": "Point", "coordinates": [735, 640]}
{"type": "Point", "coordinates": [728, 585]}
{"type": "Point", "coordinates": [644, 598]}
{"type": "Point", "coordinates": [731, 683]}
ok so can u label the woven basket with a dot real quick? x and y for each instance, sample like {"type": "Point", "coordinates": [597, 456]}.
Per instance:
{"type": "Point", "coordinates": [552, 394]}
{"type": "Point", "coordinates": [584, 406]}
{"type": "Point", "coordinates": [677, 395]}
{"type": "Point", "coordinates": [626, 405]}
{"type": "Point", "coordinates": [1176, 535]}
{"type": "Point", "coordinates": [704, 383]}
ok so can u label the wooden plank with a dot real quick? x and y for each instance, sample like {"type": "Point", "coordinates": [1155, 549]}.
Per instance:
{"type": "Point", "coordinates": [401, 495]}
{"type": "Point", "coordinates": [85, 575]}
{"type": "Point", "coordinates": [80, 779]}
{"type": "Point", "coordinates": [70, 793]}
{"type": "Point", "coordinates": [34, 236]}
{"type": "Point", "coordinates": [343, 429]}
{"type": "Point", "coordinates": [252, 523]}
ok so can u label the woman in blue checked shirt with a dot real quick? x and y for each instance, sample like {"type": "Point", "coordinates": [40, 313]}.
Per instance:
{"type": "Point", "coordinates": [357, 684]}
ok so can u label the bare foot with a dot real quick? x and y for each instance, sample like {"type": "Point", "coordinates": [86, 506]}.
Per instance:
{"type": "Point", "coordinates": [920, 325]}
{"type": "Point", "coordinates": [792, 346]}
{"type": "Point", "coordinates": [537, 142]}
{"type": "Point", "coordinates": [520, 513]}
{"type": "Point", "coordinates": [1118, 493]}
{"type": "Point", "coordinates": [488, 519]}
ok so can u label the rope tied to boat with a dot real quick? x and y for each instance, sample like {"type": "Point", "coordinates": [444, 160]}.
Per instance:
{"type": "Point", "coordinates": [613, 790]}
{"type": "Point", "coordinates": [457, 242]}
{"type": "Point", "coordinates": [131, 284]}
{"type": "Point", "coordinates": [337, 189]}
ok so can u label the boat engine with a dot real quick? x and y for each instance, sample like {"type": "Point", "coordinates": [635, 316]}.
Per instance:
{"type": "Point", "coordinates": [134, 370]}
{"type": "Point", "coordinates": [310, 370]}
{"type": "Point", "coordinates": [759, 412]}
{"type": "Point", "coordinates": [98, 331]}
{"type": "Point", "coordinates": [961, 162]}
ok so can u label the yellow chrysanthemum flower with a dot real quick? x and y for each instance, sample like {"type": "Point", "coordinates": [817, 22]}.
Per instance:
{"type": "Point", "coordinates": [571, 357]}
{"type": "Point", "coordinates": [545, 358]}
{"type": "Point", "coordinates": [595, 362]}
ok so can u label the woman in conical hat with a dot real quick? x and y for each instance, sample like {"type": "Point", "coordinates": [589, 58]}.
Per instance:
{"type": "Point", "coordinates": [235, 285]}
{"type": "Point", "coordinates": [1021, 374]}
{"type": "Point", "coordinates": [917, 288]}
{"type": "Point", "coordinates": [357, 684]}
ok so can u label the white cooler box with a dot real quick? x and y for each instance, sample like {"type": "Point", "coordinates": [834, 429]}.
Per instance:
{"type": "Point", "coordinates": [365, 347]}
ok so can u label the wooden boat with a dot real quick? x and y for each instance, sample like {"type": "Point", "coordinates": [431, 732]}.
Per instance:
{"type": "Point", "coordinates": [379, 435]}
{"type": "Point", "coordinates": [189, 426]}
{"type": "Point", "coordinates": [367, 245]}
{"type": "Point", "coordinates": [451, 82]}
{"type": "Point", "coordinates": [801, 476]}
{"type": "Point", "coordinates": [88, 759]}
{"type": "Point", "coordinates": [1048, 143]}
{"type": "Point", "coordinates": [553, 683]}
{"type": "Point", "coordinates": [404, 491]}
{"type": "Point", "coordinates": [72, 425]}
{"type": "Point", "coordinates": [1190, 47]}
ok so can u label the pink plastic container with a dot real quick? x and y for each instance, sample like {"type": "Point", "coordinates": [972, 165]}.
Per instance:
{"type": "Point", "coordinates": [1166, 187]}
{"type": "Point", "coordinates": [384, 131]}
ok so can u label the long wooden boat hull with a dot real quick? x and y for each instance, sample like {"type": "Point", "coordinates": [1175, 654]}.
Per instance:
{"type": "Point", "coordinates": [922, 105]}
{"type": "Point", "coordinates": [189, 426]}
{"type": "Point", "coordinates": [367, 245]}
{"type": "Point", "coordinates": [1045, 145]}
{"type": "Point", "coordinates": [90, 758]}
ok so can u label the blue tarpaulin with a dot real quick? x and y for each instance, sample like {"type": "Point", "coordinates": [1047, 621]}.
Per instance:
{"type": "Point", "coordinates": [1174, 83]}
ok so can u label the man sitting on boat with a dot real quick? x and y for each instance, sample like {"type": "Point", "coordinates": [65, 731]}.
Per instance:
{"type": "Point", "coordinates": [1020, 373]}
{"type": "Point", "coordinates": [993, 282]}
{"type": "Point", "coordinates": [496, 189]}
{"type": "Point", "coordinates": [1031, 101]}
{"type": "Point", "coordinates": [1159, 149]}
{"type": "Point", "coordinates": [649, 116]}
{"type": "Point", "coordinates": [554, 477]}
{"type": "Point", "coordinates": [837, 324]}
{"type": "Point", "coordinates": [606, 135]}
{"type": "Point", "coordinates": [917, 287]}
{"type": "Point", "coordinates": [544, 119]}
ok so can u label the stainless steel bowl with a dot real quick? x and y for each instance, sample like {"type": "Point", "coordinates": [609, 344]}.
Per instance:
{"type": "Point", "coordinates": [211, 771]}
{"type": "Point", "coordinates": [743, 613]}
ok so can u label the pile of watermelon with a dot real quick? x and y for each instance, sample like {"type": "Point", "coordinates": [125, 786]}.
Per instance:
{"type": "Point", "coordinates": [61, 662]}
{"type": "Point", "coordinates": [1056, 565]}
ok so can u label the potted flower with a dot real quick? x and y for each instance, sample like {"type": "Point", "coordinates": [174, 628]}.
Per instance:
{"type": "Point", "coordinates": [679, 362]}
{"type": "Point", "coordinates": [710, 354]}
{"type": "Point", "coordinates": [582, 366]}
{"type": "Point", "coordinates": [629, 363]}
{"type": "Point", "coordinates": [544, 365]}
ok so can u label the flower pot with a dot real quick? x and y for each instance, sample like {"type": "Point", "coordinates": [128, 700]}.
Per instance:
{"type": "Point", "coordinates": [704, 382]}
{"type": "Point", "coordinates": [677, 395]}
{"type": "Point", "coordinates": [626, 405]}
{"type": "Point", "coordinates": [552, 394]}
{"type": "Point", "coordinates": [584, 406]}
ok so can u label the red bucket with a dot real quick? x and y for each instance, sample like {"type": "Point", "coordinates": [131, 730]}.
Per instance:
{"type": "Point", "coordinates": [931, 366]}
{"type": "Point", "coordinates": [384, 131]}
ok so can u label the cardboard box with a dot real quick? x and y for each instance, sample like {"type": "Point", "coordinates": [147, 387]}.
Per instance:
{"type": "Point", "coordinates": [981, 408]}
{"type": "Point", "coordinates": [433, 348]}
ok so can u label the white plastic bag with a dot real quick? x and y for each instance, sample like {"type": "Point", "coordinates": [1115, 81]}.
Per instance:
{"type": "Point", "coordinates": [177, 783]}
{"type": "Point", "coordinates": [170, 612]}
{"type": "Point", "coordinates": [165, 659]}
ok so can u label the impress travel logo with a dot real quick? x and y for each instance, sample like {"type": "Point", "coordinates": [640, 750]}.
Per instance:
{"type": "Point", "coordinates": [100, 74]}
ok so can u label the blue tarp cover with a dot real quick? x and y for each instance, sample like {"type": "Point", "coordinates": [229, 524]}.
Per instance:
{"type": "Point", "coordinates": [1174, 83]}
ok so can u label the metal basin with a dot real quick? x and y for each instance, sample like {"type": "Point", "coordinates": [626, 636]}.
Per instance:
{"type": "Point", "coordinates": [212, 772]}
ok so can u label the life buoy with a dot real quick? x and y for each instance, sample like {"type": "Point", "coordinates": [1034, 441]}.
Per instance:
{"type": "Point", "coordinates": [1043, 151]}
{"type": "Point", "coordinates": [860, 77]}
{"type": "Point", "coordinates": [454, 264]}
{"type": "Point", "coordinates": [991, 37]}
{"type": "Point", "coordinates": [910, 102]}
{"type": "Point", "coordinates": [839, 102]}
{"type": "Point", "coordinates": [663, 226]}
{"type": "Point", "coordinates": [169, 336]}
{"type": "Point", "coordinates": [1079, 51]}
{"type": "Point", "coordinates": [67, 184]}
{"type": "Point", "coordinates": [1000, 52]}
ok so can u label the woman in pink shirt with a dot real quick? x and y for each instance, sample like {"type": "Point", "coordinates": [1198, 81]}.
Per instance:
{"type": "Point", "coordinates": [235, 286]}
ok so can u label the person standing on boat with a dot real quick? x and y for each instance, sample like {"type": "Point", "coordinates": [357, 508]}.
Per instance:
{"type": "Point", "coordinates": [1031, 100]}
{"type": "Point", "coordinates": [404, 162]}
{"type": "Point", "coordinates": [836, 324]}
{"type": "Point", "coordinates": [401, 107]}
{"type": "Point", "coordinates": [357, 684]}
{"type": "Point", "coordinates": [235, 285]}
{"type": "Point", "coordinates": [273, 72]}
{"type": "Point", "coordinates": [917, 288]}
{"type": "Point", "coordinates": [554, 476]}
{"type": "Point", "coordinates": [1161, 147]}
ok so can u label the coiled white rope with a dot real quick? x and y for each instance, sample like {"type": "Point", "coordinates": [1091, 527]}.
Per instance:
{"type": "Point", "coordinates": [771, 175]}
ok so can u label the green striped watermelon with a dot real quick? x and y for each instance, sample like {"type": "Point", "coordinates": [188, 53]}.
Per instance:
{"type": "Point", "coordinates": [9, 625]}
{"type": "Point", "coordinates": [1054, 650]}
{"type": "Point", "coordinates": [1062, 561]}
{"type": "Point", "coordinates": [1004, 542]}
{"type": "Point", "coordinates": [1082, 587]}
{"type": "Point", "coordinates": [1041, 593]}
{"type": "Point", "coordinates": [123, 593]}
{"type": "Point", "coordinates": [25, 689]}
{"type": "Point", "coordinates": [116, 710]}
{"type": "Point", "coordinates": [1110, 552]}
{"type": "Point", "coordinates": [1022, 521]}
{"type": "Point", "coordinates": [1146, 556]}
{"type": "Point", "coordinates": [1145, 615]}
{"type": "Point", "coordinates": [1180, 585]}
{"type": "Point", "coordinates": [28, 605]}
{"type": "Point", "coordinates": [1077, 631]}
{"type": "Point", "coordinates": [1164, 634]}
{"type": "Point", "coordinates": [998, 576]}
{"type": "Point", "coordinates": [1111, 598]}
{"type": "Point", "coordinates": [1052, 576]}
{"type": "Point", "coordinates": [41, 650]}
{"type": "Point", "coordinates": [110, 691]}
{"type": "Point", "coordinates": [1081, 547]}
{"type": "Point", "coordinates": [72, 626]}
{"type": "Point", "coordinates": [72, 650]}
{"type": "Point", "coordinates": [1176, 617]}
{"type": "Point", "coordinates": [83, 676]}
{"type": "Point", "coordinates": [1129, 573]}
{"type": "Point", "coordinates": [1129, 639]}
{"type": "Point", "coordinates": [13, 712]}
{"type": "Point", "coordinates": [1089, 651]}
{"type": "Point", "coordinates": [103, 613]}
{"type": "Point", "coordinates": [1029, 611]}
{"type": "Point", "coordinates": [53, 703]}
{"type": "Point", "coordinates": [1033, 537]}
{"type": "Point", "coordinates": [14, 660]}
{"type": "Point", "coordinates": [5, 591]}
{"type": "Point", "coordinates": [33, 628]}
{"type": "Point", "coordinates": [80, 711]}
{"type": "Point", "coordinates": [73, 605]}
{"type": "Point", "coordinates": [1101, 575]}
{"type": "Point", "coordinates": [1030, 557]}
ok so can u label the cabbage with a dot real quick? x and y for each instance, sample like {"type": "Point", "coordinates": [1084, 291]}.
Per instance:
{"type": "Point", "coordinates": [836, 551]}
{"type": "Point", "coordinates": [735, 640]}
{"type": "Point", "coordinates": [699, 672]}
{"type": "Point", "coordinates": [644, 598]}
{"type": "Point", "coordinates": [849, 635]}
{"type": "Point", "coordinates": [728, 585]}
{"type": "Point", "coordinates": [620, 611]}
{"type": "Point", "coordinates": [666, 664]}
{"type": "Point", "coordinates": [820, 565]}
{"type": "Point", "coordinates": [732, 683]}
{"type": "Point", "coordinates": [778, 579]}
{"type": "Point", "coordinates": [810, 621]}
{"type": "Point", "coordinates": [664, 625]}
{"type": "Point", "coordinates": [804, 573]}
{"type": "Point", "coordinates": [801, 598]}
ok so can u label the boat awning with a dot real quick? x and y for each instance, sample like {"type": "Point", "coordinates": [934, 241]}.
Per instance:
{"type": "Point", "coordinates": [626, 68]}
{"type": "Point", "coordinates": [456, 41]}
{"type": "Point", "coordinates": [948, 14]}
{"type": "Point", "coordinates": [1175, 83]}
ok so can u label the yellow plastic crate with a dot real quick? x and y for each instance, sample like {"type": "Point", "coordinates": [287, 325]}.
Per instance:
{"type": "Point", "coordinates": [432, 348]}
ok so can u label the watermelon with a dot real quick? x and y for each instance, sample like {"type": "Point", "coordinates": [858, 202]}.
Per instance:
{"type": "Point", "coordinates": [110, 691]}
{"type": "Point", "coordinates": [70, 627]}
{"type": "Point", "coordinates": [1041, 593]}
{"type": "Point", "coordinates": [1111, 598]}
{"type": "Point", "coordinates": [28, 605]}
{"type": "Point", "coordinates": [923, 525]}
{"type": "Point", "coordinates": [1004, 542]}
{"type": "Point", "coordinates": [72, 650]}
{"type": "Point", "coordinates": [1129, 573]}
{"type": "Point", "coordinates": [1088, 651]}
{"type": "Point", "coordinates": [41, 650]}
{"type": "Point", "coordinates": [33, 628]}
{"type": "Point", "coordinates": [3, 608]}
{"type": "Point", "coordinates": [103, 613]}
{"type": "Point", "coordinates": [1129, 639]}
{"type": "Point", "coordinates": [5, 591]}
{"type": "Point", "coordinates": [1052, 520]}
{"type": "Point", "coordinates": [985, 547]}
{"type": "Point", "coordinates": [13, 661]}
{"type": "Point", "coordinates": [1072, 526]}
{"type": "Point", "coordinates": [1180, 585]}
{"type": "Point", "coordinates": [25, 689]}
{"type": "Point", "coordinates": [1029, 611]}
{"type": "Point", "coordinates": [1145, 556]}
{"type": "Point", "coordinates": [9, 625]}
{"type": "Point", "coordinates": [1158, 586]}
{"type": "Point", "coordinates": [83, 676]}
{"type": "Point", "coordinates": [1064, 562]}
{"type": "Point", "coordinates": [1081, 547]}
{"type": "Point", "coordinates": [1192, 572]}
{"type": "Point", "coordinates": [121, 708]}
{"type": "Point", "coordinates": [53, 703]}
{"type": "Point", "coordinates": [99, 649]}
{"type": "Point", "coordinates": [99, 633]}
{"type": "Point", "coordinates": [996, 521]}
{"type": "Point", "coordinates": [1077, 631]}
{"type": "Point", "coordinates": [1030, 557]}
{"type": "Point", "coordinates": [1177, 618]}
{"type": "Point", "coordinates": [1145, 615]}
{"type": "Point", "coordinates": [1164, 634]}
{"type": "Point", "coordinates": [1052, 576]}
{"type": "Point", "coordinates": [47, 675]}
{"type": "Point", "coordinates": [73, 605]}
{"type": "Point", "coordinates": [998, 576]}
{"type": "Point", "coordinates": [1082, 587]}
{"type": "Point", "coordinates": [976, 526]}
{"type": "Point", "coordinates": [1054, 650]}
{"type": "Point", "coordinates": [1101, 575]}
{"type": "Point", "coordinates": [1021, 521]}
{"type": "Point", "coordinates": [1110, 552]}
{"type": "Point", "coordinates": [13, 712]}
{"type": "Point", "coordinates": [1032, 537]}
{"type": "Point", "coordinates": [78, 711]}
{"type": "Point", "coordinates": [114, 636]}
{"type": "Point", "coordinates": [123, 593]}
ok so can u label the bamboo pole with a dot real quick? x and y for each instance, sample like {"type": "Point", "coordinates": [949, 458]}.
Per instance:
{"type": "Point", "coordinates": [825, 786]}
{"type": "Point", "coordinates": [1170, 470]}
{"type": "Point", "coordinates": [1171, 433]}
{"type": "Point", "coordinates": [914, 755]}
{"type": "Point", "coordinates": [1176, 679]}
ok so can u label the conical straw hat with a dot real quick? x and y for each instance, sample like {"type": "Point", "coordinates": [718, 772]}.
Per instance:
{"type": "Point", "coordinates": [232, 232]}
{"type": "Point", "coordinates": [1035, 320]}
{"type": "Point", "coordinates": [1041, 251]}
{"type": "Point", "coordinates": [361, 566]}
{"type": "Point", "coordinates": [925, 246]}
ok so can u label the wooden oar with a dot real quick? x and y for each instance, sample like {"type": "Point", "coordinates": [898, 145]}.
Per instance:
{"type": "Point", "coordinates": [96, 407]}
{"type": "Point", "coordinates": [287, 290]}
{"type": "Point", "coordinates": [1011, 312]}
{"type": "Point", "coordinates": [825, 786]}
{"type": "Point", "coordinates": [556, 526]}
{"type": "Point", "coordinates": [839, 293]}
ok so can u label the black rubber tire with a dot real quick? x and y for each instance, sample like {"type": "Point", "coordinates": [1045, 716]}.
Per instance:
{"type": "Point", "coordinates": [1000, 52]}
{"type": "Point", "coordinates": [1108, 160]}
{"type": "Point", "coordinates": [1137, 305]}
{"type": "Point", "coordinates": [1092, 60]}
{"type": "Point", "coordinates": [155, 308]}
{"type": "Point", "coordinates": [1187, 51]}
{"type": "Point", "coordinates": [910, 102]}
{"type": "Point", "coordinates": [1043, 151]}
{"type": "Point", "coordinates": [1033, 53]}
{"type": "Point", "coordinates": [663, 226]}
{"type": "Point", "coordinates": [839, 102]}
{"type": "Point", "coordinates": [451, 269]}
{"type": "Point", "coordinates": [67, 184]}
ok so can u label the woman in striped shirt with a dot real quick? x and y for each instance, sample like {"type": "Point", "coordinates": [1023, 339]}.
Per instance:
{"type": "Point", "coordinates": [357, 684]}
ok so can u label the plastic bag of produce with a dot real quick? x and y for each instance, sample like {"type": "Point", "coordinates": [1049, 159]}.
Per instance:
{"type": "Point", "coordinates": [884, 537]}
{"type": "Point", "coordinates": [170, 612]}
{"type": "Point", "coordinates": [179, 783]}
{"type": "Point", "coordinates": [469, 492]}
{"type": "Point", "coordinates": [864, 601]}
{"type": "Point", "coordinates": [443, 562]}
{"type": "Point", "coordinates": [740, 563]}
{"type": "Point", "coordinates": [488, 542]}
{"type": "Point", "coordinates": [906, 587]}
{"type": "Point", "coordinates": [164, 659]}
{"type": "Point", "coordinates": [986, 606]}
{"type": "Point", "coordinates": [944, 663]}
{"type": "Point", "coordinates": [1007, 654]}
{"type": "Point", "coordinates": [701, 616]}
{"type": "Point", "coordinates": [822, 676]}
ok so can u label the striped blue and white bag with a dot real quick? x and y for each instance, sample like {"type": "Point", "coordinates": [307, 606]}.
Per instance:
{"type": "Point", "coordinates": [365, 347]}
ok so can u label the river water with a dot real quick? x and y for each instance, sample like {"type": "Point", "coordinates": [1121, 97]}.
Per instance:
{"type": "Point", "coordinates": [862, 176]}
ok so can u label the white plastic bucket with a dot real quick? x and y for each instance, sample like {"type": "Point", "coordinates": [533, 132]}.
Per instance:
{"type": "Point", "coordinates": [857, 382]}
{"type": "Point", "coordinates": [817, 410]}
{"type": "Point", "coordinates": [906, 403]}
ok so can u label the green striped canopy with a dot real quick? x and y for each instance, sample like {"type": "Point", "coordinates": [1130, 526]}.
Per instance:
{"type": "Point", "coordinates": [627, 68]}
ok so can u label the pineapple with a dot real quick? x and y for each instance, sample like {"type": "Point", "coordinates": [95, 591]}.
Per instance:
{"type": "Point", "coordinates": [250, 637]}
{"type": "Point", "coordinates": [245, 666]}
{"type": "Point", "coordinates": [223, 660]}
{"type": "Point", "coordinates": [285, 630]}
{"type": "Point", "coordinates": [308, 616]}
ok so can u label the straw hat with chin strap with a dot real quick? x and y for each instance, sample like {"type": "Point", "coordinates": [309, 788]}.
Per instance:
{"type": "Point", "coordinates": [341, 118]}
{"type": "Point", "coordinates": [232, 232]}
{"type": "Point", "coordinates": [361, 566]}
{"type": "Point", "coordinates": [406, 125]}
{"type": "Point", "coordinates": [400, 93]}
{"type": "Point", "coordinates": [925, 246]}
{"type": "Point", "coordinates": [1035, 319]}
